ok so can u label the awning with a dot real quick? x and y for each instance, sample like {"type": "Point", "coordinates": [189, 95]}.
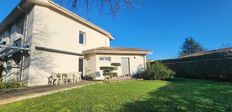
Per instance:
{"type": "Point", "coordinates": [8, 51]}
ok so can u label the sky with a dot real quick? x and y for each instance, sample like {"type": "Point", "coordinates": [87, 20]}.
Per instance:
{"type": "Point", "coordinates": [161, 25]}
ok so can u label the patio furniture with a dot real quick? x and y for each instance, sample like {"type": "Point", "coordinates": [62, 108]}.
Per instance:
{"type": "Point", "coordinates": [69, 78]}
{"type": "Point", "coordinates": [64, 78]}
{"type": "Point", "coordinates": [76, 77]}
{"type": "Point", "coordinates": [59, 78]}
{"type": "Point", "coordinates": [53, 78]}
{"type": "Point", "coordinates": [49, 80]}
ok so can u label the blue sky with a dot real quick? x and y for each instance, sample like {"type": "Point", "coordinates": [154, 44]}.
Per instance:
{"type": "Point", "coordinates": [162, 25]}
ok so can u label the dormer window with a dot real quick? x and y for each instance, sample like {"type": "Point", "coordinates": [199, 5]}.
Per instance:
{"type": "Point", "coordinates": [82, 38]}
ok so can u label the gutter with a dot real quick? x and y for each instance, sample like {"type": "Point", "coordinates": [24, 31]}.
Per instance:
{"type": "Point", "coordinates": [57, 51]}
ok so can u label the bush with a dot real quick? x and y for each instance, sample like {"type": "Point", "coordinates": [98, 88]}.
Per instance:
{"type": "Point", "coordinates": [157, 71]}
{"type": "Point", "coordinates": [11, 84]}
{"type": "Point", "coordinates": [108, 71]}
{"type": "Point", "coordinates": [2, 85]}
{"type": "Point", "coordinates": [88, 77]}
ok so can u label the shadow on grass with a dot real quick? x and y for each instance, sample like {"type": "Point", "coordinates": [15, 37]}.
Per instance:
{"type": "Point", "coordinates": [186, 95]}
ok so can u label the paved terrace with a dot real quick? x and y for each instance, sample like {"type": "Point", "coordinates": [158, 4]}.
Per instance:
{"type": "Point", "coordinates": [17, 94]}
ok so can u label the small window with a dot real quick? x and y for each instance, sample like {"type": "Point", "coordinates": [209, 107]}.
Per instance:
{"type": "Point", "coordinates": [81, 38]}
{"type": "Point", "coordinates": [18, 42]}
{"type": "Point", "coordinates": [107, 59]}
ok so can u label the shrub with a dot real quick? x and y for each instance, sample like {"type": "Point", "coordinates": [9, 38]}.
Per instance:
{"type": "Point", "coordinates": [157, 71]}
{"type": "Point", "coordinates": [88, 77]}
{"type": "Point", "coordinates": [2, 85]}
{"type": "Point", "coordinates": [115, 64]}
{"type": "Point", "coordinates": [11, 84]}
{"type": "Point", "coordinates": [108, 71]}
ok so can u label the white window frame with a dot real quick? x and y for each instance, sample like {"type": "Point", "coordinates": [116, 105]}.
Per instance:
{"type": "Point", "coordinates": [105, 59]}
{"type": "Point", "coordinates": [84, 38]}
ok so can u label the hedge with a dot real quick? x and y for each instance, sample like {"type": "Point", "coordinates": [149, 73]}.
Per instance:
{"type": "Point", "coordinates": [217, 66]}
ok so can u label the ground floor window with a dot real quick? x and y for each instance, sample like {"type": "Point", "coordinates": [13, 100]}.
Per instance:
{"type": "Point", "coordinates": [106, 59]}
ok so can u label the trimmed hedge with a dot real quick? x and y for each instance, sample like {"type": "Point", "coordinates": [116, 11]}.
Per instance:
{"type": "Point", "coordinates": [217, 66]}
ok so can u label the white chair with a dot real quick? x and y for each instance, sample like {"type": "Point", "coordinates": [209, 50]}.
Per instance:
{"type": "Point", "coordinates": [54, 78]}
{"type": "Point", "coordinates": [79, 76]}
{"type": "Point", "coordinates": [76, 77]}
{"type": "Point", "coordinates": [64, 78]}
{"type": "Point", "coordinates": [69, 78]}
{"type": "Point", "coordinates": [49, 80]}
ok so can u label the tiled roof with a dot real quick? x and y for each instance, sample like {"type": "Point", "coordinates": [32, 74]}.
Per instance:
{"type": "Point", "coordinates": [114, 50]}
{"type": "Point", "coordinates": [209, 52]}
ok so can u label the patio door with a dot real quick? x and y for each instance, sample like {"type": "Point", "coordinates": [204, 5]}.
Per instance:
{"type": "Point", "coordinates": [81, 66]}
{"type": "Point", "coordinates": [125, 66]}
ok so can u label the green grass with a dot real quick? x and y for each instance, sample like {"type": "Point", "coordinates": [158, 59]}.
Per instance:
{"type": "Point", "coordinates": [134, 96]}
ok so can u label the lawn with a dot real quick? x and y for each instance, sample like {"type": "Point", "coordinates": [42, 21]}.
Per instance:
{"type": "Point", "coordinates": [134, 96]}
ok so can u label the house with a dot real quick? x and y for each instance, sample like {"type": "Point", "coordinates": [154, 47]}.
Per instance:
{"type": "Point", "coordinates": [40, 37]}
{"type": "Point", "coordinates": [222, 52]}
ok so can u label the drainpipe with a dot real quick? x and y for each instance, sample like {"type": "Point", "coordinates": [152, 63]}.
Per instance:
{"type": "Point", "coordinates": [23, 41]}
{"type": "Point", "coordinates": [145, 64]}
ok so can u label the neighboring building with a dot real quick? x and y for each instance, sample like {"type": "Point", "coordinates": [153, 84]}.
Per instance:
{"type": "Point", "coordinates": [150, 60]}
{"type": "Point", "coordinates": [222, 52]}
{"type": "Point", "coordinates": [45, 38]}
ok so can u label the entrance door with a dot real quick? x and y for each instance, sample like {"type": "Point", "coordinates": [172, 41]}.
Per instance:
{"type": "Point", "coordinates": [81, 64]}
{"type": "Point", "coordinates": [125, 66]}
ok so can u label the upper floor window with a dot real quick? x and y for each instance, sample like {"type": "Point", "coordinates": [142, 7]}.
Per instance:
{"type": "Point", "coordinates": [108, 59]}
{"type": "Point", "coordinates": [81, 38]}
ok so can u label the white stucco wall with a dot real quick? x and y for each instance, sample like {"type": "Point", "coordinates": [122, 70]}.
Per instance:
{"type": "Point", "coordinates": [137, 62]}
{"type": "Point", "coordinates": [56, 31]}
{"type": "Point", "coordinates": [90, 64]}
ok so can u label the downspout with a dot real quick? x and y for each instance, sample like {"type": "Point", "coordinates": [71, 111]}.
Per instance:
{"type": "Point", "coordinates": [24, 41]}
{"type": "Point", "coordinates": [145, 63]}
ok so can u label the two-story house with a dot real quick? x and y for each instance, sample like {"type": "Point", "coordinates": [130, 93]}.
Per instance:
{"type": "Point", "coordinates": [40, 37]}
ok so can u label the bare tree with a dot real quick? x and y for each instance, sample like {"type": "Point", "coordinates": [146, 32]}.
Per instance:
{"type": "Point", "coordinates": [227, 45]}
{"type": "Point", "coordinates": [112, 6]}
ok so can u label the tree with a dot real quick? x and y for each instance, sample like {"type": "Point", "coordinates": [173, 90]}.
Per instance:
{"type": "Point", "coordinates": [158, 71]}
{"type": "Point", "coordinates": [190, 46]}
{"type": "Point", "coordinates": [103, 5]}
{"type": "Point", "coordinates": [226, 46]}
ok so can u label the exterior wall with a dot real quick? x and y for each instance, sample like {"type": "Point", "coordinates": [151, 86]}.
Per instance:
{"type": "Point", "coordinates": [90, 67]}
{"type": "Point", "coordinates": [28, 28]}
{"type": "Point", "coordinates": [137, 63]}
{"type": "Point", "coordinates": [20, 29]}
{"type": "Point", "coordinates": [56, 31]}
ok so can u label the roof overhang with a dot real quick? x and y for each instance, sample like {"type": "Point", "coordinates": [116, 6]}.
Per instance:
{"type": "Point", "coordinates": [24, 4]}
{"type": "Point", "coordinates": [15, 13]}
{"type": "Point", "coordinates": [125, 51]}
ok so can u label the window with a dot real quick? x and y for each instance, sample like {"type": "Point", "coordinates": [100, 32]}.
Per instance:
{"type": "Point", "coordinates": [81, 38]}
{"type": "Point", "coordinates": [105, 59]}
{"type": "Point", "coordinates": [18, 43]}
